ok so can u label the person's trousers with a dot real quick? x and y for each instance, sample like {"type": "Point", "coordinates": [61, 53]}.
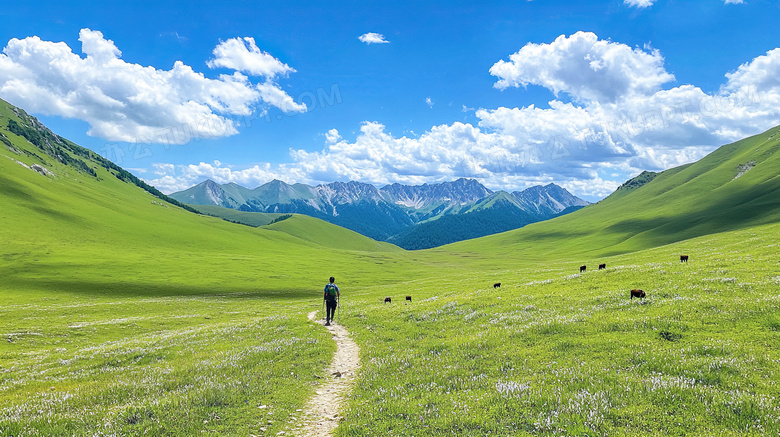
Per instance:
{"type": "Point", "coordinates": [331, 309]}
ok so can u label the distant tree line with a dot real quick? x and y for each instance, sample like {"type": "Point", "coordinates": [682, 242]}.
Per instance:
{"type": "Point", "coordinates": [280, 218]}
{"type": "Point", "coordinates": [52, 145]}
{"type": "Point", "coordinates": [640, 180]}
{"type": "Point", "coordinates": [232, 221]}
{"type": "Point", "coordinates": [125, 176]}
{"type": "Point", "coordinates": [61, 149]}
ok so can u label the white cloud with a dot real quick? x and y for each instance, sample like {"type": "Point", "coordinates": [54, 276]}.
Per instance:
{"type": "Point", "coordinates": [636, 122]}
{"type": "Point", "coordinates": [735, 2]}
{"type": "Point", "coordinates": [589, 145]}
{"type": "Point", "coordinates": [180, 177]}
{"type": "Point", "coordinates": [163, 169]}
{"type": "Point", "coordinates": [444, 153]}
{"type": "Point", "coordinates": [373, 38]}
{"type": "Point", "coordinates": [429, 102]}
{"type": "Point", "coordinates": [242, 54]}
{"type": "Point", "coordinates": [640, 3]}
{"type": "Point", "coordinates": [274, 95]}
{"type": "Point", "coordinates": [122, 101]}
{"type": "Point", "coordinates": [97, 48]}
{"type": "Point", "coordinates": [332, 136]}
{"type": "Point", "coordinates": [762, 72]}
{"type": "Point", "coordinates": [584, 67]}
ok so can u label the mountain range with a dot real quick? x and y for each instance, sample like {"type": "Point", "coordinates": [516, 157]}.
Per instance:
{"type": "Point", "coordinates": [734, 187]}
{"type": "Point", "coordinates": [413, 217]}
{"type": "Point", "coordinates": [105, 273]}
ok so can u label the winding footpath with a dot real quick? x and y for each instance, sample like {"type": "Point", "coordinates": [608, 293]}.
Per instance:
{"type": "Point", "coordinates": [321, 415]}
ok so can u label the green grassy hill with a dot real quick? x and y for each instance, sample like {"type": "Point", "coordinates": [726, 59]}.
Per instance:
{"type": "Point", "coordinates": [236, 216]}
{"type": "Point", "coordinates": [75, 216]}
{"type": "Point", "coordinates": [330, 237]}
{"type": "Point", "coordinates": [308, 229]}
{"type": "Point", "coordinates": [553, 352]}
{"type": "Point", "coordinates": [124, 314]}
{"type": "Point", "coordinates": [497, 213]}
{"type": "Point", "coordinates": [734, 187]}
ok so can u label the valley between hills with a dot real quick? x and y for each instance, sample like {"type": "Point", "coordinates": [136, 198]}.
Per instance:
{"type": "Point", "coordinates": [412, 217]}
{"type": "Point", "coordinates": [126, 312]}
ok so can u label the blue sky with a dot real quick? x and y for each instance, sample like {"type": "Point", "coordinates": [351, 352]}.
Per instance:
{"type": "Point", "coordinates": [581, 93]}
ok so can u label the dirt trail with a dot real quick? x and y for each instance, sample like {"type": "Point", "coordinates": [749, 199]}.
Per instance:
{"type": "Point", "coordinates": [320, 416]}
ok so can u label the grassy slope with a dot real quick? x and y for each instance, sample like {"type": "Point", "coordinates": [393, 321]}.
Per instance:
{"type": "Point", "coordinates": [307, 229]}
{"type": "Point", "coordinates": [322, 233]}
{"type": "Point", "coordinates": [146, 318]}
{"type": "Point", "coordinates": [52, 224]}
{"type": "Point", "coordinates": [553, 352]}
{"type": "Point", "coordinates": [233, 215]}
{"type": "Point", "coordinates": [124, 314]}
{"type": "Point", "coordinates": [681, 203]}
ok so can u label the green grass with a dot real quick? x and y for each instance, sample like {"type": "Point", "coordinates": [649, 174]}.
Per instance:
{"type": "Point", "coordinates": [553, 352]}
{"type": "Point", "coordinates": [122, 314]}
{"type": "Point", "coordinates": [329, 236]}
{"type": "Point", "coordinates": [236, 216]}
{"type": "Point", "coordinates": [84, 365]}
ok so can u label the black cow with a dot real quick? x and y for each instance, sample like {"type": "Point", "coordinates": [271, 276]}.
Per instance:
{"type": "Point", "coordinates": [388, 300]}
{"type": "Point", "coordinates": [637, 293]}
{"type": "Point", "coordinates": [409, 298]}
{"type": "Point", "coordinates": [602, 266]}
{"type": "Point", "coordinates": [582, 268]}
{"type": "Point", "coordinates": [497, 285]}
{"type": "Point", "coordinates": [683, 258]}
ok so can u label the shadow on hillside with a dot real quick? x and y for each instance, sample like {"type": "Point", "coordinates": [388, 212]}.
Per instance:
{"type": "Point", "coordinates": [28, 200]}
{"type": "Point", "coordinates": [251, 291]}
{"type": "Point", "coordinates": [9, 189]}
{"type": "Point", "coordinates": [723, 211]}
{"type": "Point", "coordinates": [757, 205]}
{"type": "Point", "coordinates": [638, 225]}
{"type": "Point", "coordinates": [554, 235]}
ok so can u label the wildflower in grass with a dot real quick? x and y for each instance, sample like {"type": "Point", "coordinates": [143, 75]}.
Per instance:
{"type": "Point", "coordinates": [590, 406]}
{"type": "Point", "coordinates": [511, 387]}
{"type": "Point", "coordinates": [666, 382]}
{"type": "Point", "coordinates": [546, 421]}
{"type": "Point", "coordinates": [534, 283]}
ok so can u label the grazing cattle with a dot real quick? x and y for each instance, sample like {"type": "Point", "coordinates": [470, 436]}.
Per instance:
{"type": "Point", "coordinates": [409, 298]}
{"type": "Point", "coordinates": [637, 293]}
{"type": "Point", "coordinates": [388, 300]}
{"type": "Point", "coordinates": [497, 285]}
{"type": "Point", "coordinates": [582, 268]}
{"type": "Point", "coordinates": [602, 266]}
{"type": "Point", "coordinates": [683, 258]}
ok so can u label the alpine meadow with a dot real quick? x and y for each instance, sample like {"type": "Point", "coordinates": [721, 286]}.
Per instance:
{"type": "Point", "coordinates": [126, 314]}
{"type": "Point", "coordinates": [530, 218]}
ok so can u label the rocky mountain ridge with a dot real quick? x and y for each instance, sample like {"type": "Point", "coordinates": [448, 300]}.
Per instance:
{"type": "Point", "coordinates": [392, 210]}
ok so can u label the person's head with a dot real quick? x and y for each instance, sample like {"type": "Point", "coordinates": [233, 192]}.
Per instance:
{"type": "Point", "coordinates": [332, 279]}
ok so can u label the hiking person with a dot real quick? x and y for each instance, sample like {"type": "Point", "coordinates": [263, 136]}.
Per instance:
{"type": "Point", "coordinates": [331, 297]}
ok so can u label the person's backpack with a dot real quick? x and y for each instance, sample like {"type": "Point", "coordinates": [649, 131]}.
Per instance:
{"type": "Point", "coordinates": [331, 290]}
